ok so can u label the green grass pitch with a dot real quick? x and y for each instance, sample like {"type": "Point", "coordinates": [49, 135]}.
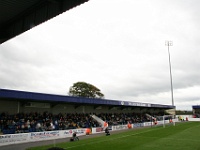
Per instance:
{"type": "Point", "coordinates": [182, 136]}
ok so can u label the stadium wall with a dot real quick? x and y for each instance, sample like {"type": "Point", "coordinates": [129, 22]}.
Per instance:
{"type": "Point", "coordinates": [9, 106]}
{"type": "Point", "coordinates": [38, 136]}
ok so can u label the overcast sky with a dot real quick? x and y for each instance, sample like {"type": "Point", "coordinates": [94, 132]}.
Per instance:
{"type": "Point", "coordinates": [116, 45]}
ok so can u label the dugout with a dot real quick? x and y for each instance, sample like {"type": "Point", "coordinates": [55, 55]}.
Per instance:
{"type": "Point", "coordinates": [13, 101]}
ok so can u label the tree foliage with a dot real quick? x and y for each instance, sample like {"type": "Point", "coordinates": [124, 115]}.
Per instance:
{"type": "Point", "coordinates": [83, 89]}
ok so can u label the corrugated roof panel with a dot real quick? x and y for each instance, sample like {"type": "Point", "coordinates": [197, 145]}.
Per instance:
{"type": "Point", "coordinates": [9, 9]}
{"type": "Point", "coordinates": [18, 16]}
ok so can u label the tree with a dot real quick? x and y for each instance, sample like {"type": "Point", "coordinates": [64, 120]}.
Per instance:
{"type": "Point", "coordinates": [83, 89]}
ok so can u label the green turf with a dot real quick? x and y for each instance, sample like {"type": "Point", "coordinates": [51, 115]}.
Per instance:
{"type": "Point", "coordinates": [182, 136]}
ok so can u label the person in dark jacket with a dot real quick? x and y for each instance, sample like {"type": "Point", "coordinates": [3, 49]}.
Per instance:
{"type": "Point", "coordinates": [107, 131]}
{"type": "Point", "coordinates": [74, 137]}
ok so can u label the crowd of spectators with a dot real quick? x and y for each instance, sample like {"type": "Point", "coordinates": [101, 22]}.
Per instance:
{"type": "Point", "coordinates": [197, 115]}
{"type": "Point", "coordinates": [123, 118]}
{"type": "Point", "coordinates": [37, 122]}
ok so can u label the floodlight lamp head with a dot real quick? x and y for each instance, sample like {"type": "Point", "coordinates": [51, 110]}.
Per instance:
{"type": "Point", "coordinates": [168, 43]}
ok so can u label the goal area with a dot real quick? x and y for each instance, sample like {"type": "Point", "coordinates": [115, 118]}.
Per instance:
{"type": "Point", "coordinates": [166, 119]}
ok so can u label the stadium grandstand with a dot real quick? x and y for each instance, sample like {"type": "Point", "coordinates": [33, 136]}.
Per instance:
{"type": "Point", "coordinates": [22, 112]}
{"type": "Point", "coordinates": [196, 111]}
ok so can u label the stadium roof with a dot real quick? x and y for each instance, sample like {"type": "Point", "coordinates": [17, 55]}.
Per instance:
{"type": "Point", "coordinates": [18, 16]}
{"type": "Point", "coordinates": [196, 107]}
{"type": "Point", "coordinates": [31, 96]}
